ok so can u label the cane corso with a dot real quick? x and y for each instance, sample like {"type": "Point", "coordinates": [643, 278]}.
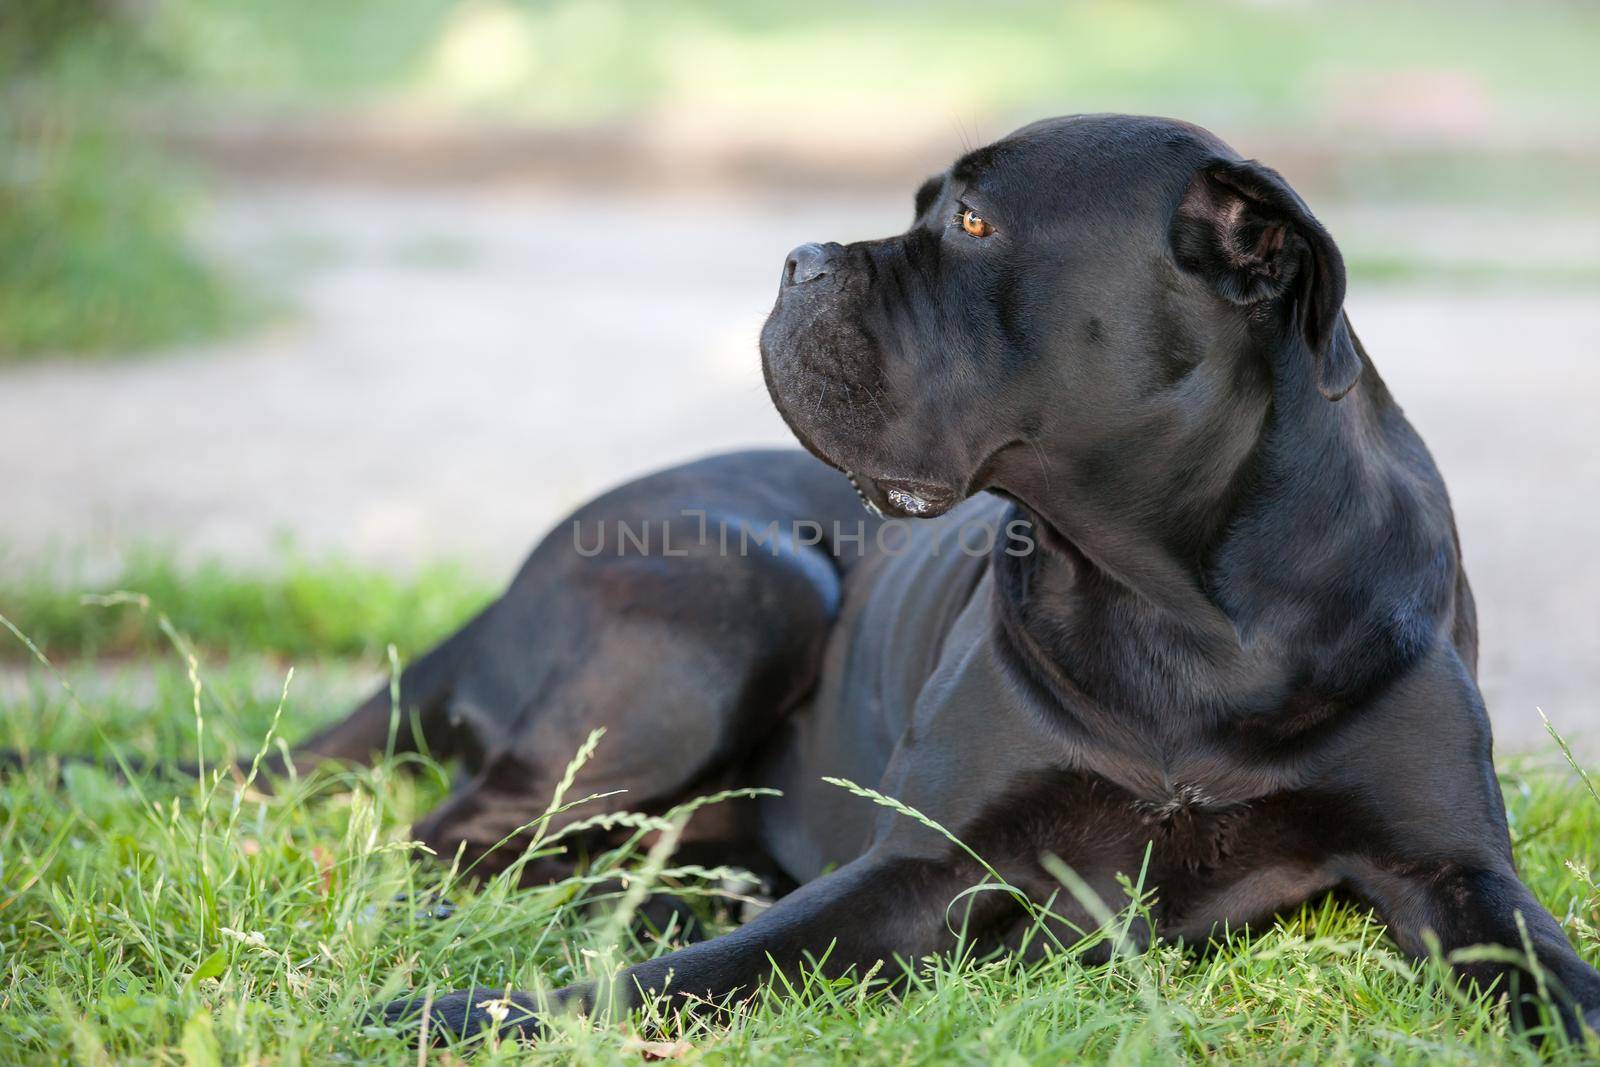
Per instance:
{"type": "Point", "coordinates": [1153, 573]}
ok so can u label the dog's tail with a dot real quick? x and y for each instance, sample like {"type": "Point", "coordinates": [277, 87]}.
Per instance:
{"type": "Point", "coordinates": [393, 720]}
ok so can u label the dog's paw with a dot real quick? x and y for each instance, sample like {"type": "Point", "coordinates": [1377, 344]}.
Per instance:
{"type": "Point", "coordinates": [465, 1013]}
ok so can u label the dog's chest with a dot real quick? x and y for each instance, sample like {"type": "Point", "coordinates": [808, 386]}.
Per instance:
{"type": "Point", "coordinates": [1086, 818]}
{"type": "Point", "coordinates": [1204, 864]}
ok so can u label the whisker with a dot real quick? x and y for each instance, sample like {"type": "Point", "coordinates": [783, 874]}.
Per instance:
{"type": "Point", "coordinates": [1044, 468]}
{"type": "Point", "coordinates": [874, 395]}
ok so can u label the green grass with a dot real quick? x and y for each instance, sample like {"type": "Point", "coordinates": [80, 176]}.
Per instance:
{"type": "Point", "coordinates": [167, 921]}
{"type": "Point", "coordinates": [299, 608]}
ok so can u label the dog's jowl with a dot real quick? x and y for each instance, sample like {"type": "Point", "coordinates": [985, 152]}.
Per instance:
{"type": "Point", "coordinates": [1152, 569]}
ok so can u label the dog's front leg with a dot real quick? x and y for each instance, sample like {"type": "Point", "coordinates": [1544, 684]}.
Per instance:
{"type": "Point", "coordinates": [1413, 801]}
{"type": "Point", "coordinates": [869, 910]}
{"type": "Point", "coordinates": [1463, 905]}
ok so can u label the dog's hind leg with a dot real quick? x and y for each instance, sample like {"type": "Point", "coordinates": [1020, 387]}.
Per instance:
{"type": "Point", "coordinates": [417, 720]}
{"type": "Point", "coordinates": [686, 651]}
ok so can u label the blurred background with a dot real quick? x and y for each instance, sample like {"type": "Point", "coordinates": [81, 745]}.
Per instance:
{"type": "Point", "coordinates": [397, 282]}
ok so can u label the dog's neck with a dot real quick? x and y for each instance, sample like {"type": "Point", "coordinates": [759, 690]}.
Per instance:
{"type": "Point", "coordinates": [1185, 542]}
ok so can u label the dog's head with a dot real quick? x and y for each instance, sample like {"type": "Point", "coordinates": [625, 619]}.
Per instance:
{"type": "Point", "coordinates": [1049, 309]}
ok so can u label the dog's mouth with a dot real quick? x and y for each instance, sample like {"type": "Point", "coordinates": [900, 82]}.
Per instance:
{"type": "Point", "coordinates": [902, 498]}
{"type": "Point", "coordinates": [895, 498]}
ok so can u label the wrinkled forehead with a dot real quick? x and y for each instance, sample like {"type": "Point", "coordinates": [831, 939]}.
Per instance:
{"type": "Point", "coordinates": [1088, 156]}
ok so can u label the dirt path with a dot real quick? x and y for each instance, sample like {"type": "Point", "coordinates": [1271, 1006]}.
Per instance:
{"type": "Point", "coordinates": [463, 367]}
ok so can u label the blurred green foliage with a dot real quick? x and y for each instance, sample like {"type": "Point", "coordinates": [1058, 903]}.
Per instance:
{"type": "Point", "coordinates": [1433, 99]}
{"type": "Point", "coordinates": [97, 257]}
{"type": "Point", "coordinates": [592, 59]}
{"type": "Point", "coordinates": [92, 221]}
{"type": "Point", "coordinates": [32, 32]}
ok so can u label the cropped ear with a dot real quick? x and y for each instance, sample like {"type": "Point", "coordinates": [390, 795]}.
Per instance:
{"type": "Point", "coordinates": [1242, 229]}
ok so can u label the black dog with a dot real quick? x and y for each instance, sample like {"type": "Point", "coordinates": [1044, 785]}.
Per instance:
{"type": "Point", "coordinates": [1199, 589]}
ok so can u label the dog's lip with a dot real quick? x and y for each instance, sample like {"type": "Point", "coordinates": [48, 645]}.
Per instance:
{"type": "Point", "coordinates": [907, 498]}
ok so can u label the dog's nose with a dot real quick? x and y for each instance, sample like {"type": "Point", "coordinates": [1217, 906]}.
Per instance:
{"type": "Point", "coordinates": [806, 264]}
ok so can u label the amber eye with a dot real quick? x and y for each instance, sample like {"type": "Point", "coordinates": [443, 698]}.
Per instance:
{"type": "Point", "coordinates": [973, 223]}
